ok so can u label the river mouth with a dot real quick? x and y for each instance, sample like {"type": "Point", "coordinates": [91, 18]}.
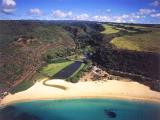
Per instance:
{"type": "Point", "coordinates": [81, 109]}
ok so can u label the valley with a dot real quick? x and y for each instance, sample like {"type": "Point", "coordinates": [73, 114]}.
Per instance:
{"type": "Point", "coordinates": [39, 49]}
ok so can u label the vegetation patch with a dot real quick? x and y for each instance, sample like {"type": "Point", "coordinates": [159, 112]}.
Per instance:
{"type": "Point", "coordinates": [54, 55]}
{"type": "Point", "coordinates": [28, 83]}
{"type": "Point", "coordinates": [139, 42]}
{"type": "Point", "coordinates": [2, 85]}
{"type": "Point", "coordinates": [74, 78]}
{"type": "Point", "coordinates": [125, 30]}
{"type": "Point", "coordinates": [136, 26]}
{"type": "Point", "coordinates": [51, 69]}
{"type": "Point", "coordinates": [23, 86]}
{"type": "Point", "coordinates": [23, 44]}
{"type": "Point", "coordinates": [109, 29]}
{"type": "Point", "coordinates": [140, 66]}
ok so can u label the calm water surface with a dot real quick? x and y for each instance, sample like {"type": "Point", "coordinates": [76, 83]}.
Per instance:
{"type": "Point", "coordinates": [83, 109]}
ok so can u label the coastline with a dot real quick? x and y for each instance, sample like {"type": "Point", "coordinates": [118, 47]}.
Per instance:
{"type": "Point", "coordinates": [110, 89]}
{"type": "Point", "coordinates": [125, 98]}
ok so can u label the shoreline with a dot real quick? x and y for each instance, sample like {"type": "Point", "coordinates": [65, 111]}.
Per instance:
{"type": "Point", "coordinates": [110, 89]}
{"type": "Point", "coordinates": [125, 98]}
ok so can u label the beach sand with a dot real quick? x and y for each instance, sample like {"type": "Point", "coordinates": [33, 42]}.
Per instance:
{"type": "Point", "coordinates": [118, 89]}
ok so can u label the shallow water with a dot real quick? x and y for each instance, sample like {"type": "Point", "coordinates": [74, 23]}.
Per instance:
{"type": "Point", "coordinates": [84, 109]}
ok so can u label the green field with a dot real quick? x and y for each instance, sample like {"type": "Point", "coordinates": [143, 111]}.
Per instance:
{"type": "Point", "coordinates": [136, 26]}
{"type": "Point", "coordinates": [126, 30]}
{"type": "Point", "coordinates": [109, 29]}
{"type": "Point", "coordinates": [139, 42]}
{"type": "Point", "coordinates": [51, 69]}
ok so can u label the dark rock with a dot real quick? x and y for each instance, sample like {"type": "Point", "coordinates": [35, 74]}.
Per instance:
{"type": "Point", "coordinates": [8, 109]}
{"type": "Point", "coordinates": [7, 113]}
{"type": "Point", "coordinates": [110, 114]}
{"type": "Point", "coordinates": [26, 116]}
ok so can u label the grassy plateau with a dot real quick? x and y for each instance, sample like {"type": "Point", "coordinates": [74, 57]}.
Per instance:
{"type": "Point", "coordinates": [139, 42]}
{"type": "Point", "coordinates": [109, 29]}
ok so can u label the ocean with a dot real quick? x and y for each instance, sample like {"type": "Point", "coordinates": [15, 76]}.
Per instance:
{"type": "Point", "coordinates": [81, 109]}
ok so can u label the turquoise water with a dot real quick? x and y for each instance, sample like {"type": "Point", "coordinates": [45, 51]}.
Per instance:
{"type": "Point", "coordinates": [87, 109]}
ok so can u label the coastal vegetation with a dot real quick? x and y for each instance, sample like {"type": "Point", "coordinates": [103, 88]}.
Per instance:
{"type": "Point", "coordinates": [51, 69]}
{"type": "Point", "coordinates": [23, 86]}
{"type": "Point", "coordinates": [28, 83]}
{"type": "Point", "coordinates": [85, 67]}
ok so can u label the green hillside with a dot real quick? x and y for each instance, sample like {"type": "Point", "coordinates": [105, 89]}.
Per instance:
{"type": "Point", "coordinates": [26, 46]}
{"type": "Point", "coordinates": [109, 29]}
{"type": "Point", "coordinates": [132, 37]}
{"type": "Point", "coordinates": [11, 30]}
{"type": "Point", "coordinates": [141, 42]}
{"type": "Point", "coordinates": [23, 45]}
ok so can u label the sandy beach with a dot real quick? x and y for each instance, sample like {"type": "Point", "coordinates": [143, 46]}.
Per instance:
{"type": "Point", "coordinates": [118, 89]}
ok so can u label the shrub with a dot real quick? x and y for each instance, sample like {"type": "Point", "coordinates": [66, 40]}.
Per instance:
{"type": "Point", "coordinates": [75, 77]}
